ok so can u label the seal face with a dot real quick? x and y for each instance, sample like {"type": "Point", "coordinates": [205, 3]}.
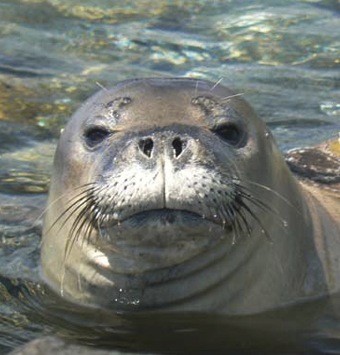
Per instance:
{"type": "Point", "coordinates": [170, 194]}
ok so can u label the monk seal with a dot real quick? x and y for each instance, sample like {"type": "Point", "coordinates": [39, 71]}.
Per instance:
{"type": "Point", "coordinates": [172, 195]}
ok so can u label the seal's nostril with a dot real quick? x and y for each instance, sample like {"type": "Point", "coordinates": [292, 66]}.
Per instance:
{"type": "Point", "coordinates": [146, 146]}
{"type": "Point", "coordinates": [178, 145]}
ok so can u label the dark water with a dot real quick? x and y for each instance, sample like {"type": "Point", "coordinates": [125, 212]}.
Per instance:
{"type": "Point", "coordinates": [283, 55]}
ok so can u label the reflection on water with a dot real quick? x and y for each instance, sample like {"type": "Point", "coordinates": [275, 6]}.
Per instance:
{"type": "Point", "coordinates": [282, 54]}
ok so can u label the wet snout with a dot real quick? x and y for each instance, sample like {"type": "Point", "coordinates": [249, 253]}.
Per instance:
{"type": "Point", "coordinates": [169, 146]}
{"type": "Point", "coordinates": [179, 168]}
{"type": "Point", "coordinates": [173, 147]}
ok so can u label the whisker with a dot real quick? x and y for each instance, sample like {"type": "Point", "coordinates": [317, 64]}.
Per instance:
{"type": "Point", "coordinates": [256, 218]}
{"type": "Point", "coordinates": [267, 188]}
{"type": "Point", "coordinates": [257, 202]}
{"type": "Point", "coordinates": [81, 231]}
{"type": "Point", "coordinates": [51, 204]}
{"type": "Point", "coordinates": [89, 228]}
{"type": "Point", "coordinates": [73, 235]}
{"type": "Point", "coordinates": [95, 219]}
{"type": "Point", "coordinates": [74, 200]}
{"type": "Point", "coordinates": [77, 201]}
{"type": "Point", "coordinates": [232, 96]}
{"type": "Point", "coordinates": [101, 86]}
{"type": "Point", "coordinates": [75, 230]}
{"type": "Point", "coordinates": [238, 229]}
{"type": "Point", "coordinates": [216, 84]}
{"type": "Point", "coordinates": [245, 222]}
{"type": "Point", "coordinates": [82, 223]}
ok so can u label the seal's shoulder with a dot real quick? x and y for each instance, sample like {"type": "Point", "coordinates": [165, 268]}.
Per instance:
{"type": "Point", "coordinates": [319, 165]}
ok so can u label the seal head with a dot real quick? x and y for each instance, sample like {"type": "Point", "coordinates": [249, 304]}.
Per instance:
{"type": "Point", "coordinates": [170, 194]}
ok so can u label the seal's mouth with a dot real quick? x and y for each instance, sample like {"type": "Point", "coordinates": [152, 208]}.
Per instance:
{"type": "Point", "coordinates": [163, 217]}
{"type": "Point", "coordinates": [158, 238]}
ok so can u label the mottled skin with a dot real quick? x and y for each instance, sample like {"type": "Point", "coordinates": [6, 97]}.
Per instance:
{"type": "Point", "coordinates": [171, 195]}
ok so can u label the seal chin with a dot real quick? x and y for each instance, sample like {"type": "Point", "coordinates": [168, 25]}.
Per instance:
{"type": "Point", "coordinates": [159, 238]}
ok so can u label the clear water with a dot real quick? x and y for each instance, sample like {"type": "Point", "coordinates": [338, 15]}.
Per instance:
{"type": "Point", "coordinates": [284, 55]}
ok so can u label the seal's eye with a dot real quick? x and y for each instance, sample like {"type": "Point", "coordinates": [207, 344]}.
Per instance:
{"type": "Point", "coordinates": [95, 135]}
{"type": "Point", "coordinates": [230, 133]}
